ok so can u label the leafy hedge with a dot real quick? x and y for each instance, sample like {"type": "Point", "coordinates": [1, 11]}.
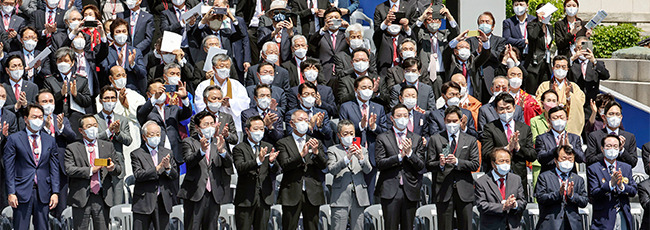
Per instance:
{"type": "Point", "coordinates": [532, 5]}
{"type": "Point", "coordinates": [608, 39]}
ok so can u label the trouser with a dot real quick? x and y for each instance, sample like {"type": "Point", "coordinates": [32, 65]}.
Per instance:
{"type": "Point", "coordinates": [446, 213]}
{"type": "Point", "coordinates": [621, 223]}
{"type": "Point", "coordinates": [96, 209]}
{"type": "Point", "coordinates": [399, 212]}
{"type": "Point", "coordinates": [63, 197]}
{"type": "Point", "coordinates": [159, 218]}
{"type": "Point", "coordinates": [257, 215]}
{"type": "Point", "coordinates": [203, 214]}
{"type": "Point", "coordinates": [353, 213]}
{"type": "Point", "coordinates": [371, 179]}
{"type": "Point", "coordinates": [291, 214]}
{"type": "Point", "coordinates": [33, 208]}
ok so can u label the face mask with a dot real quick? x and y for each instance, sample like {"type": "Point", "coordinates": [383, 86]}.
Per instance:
{"type": "Point", "coordinates": [173, 80]}
{"type": "Point", "coordinates": [48, 109]}
{"type": "Point", "coordinates": [272, 58]}
{"type": "Point", "coordinates": [452, 128]}
{"type": "Point", "coordinates": [486, 28]}
{"type": "Point", "coordinates": [408, 54]}
{"type": "Point", "coordinates": [565, 166]}
{"type": "Point", "coordinates": [365, 94]}
{"type": "Point", "coordinates": [266, 79]}
{"type": "Point", "coordinates": [549, 105]}
{"type": "Point", "coordinates": [559, 125]}
{"type": "Point", "coordinates": [153, 141]}
{"type": "Point", "coordinates": [515, 82]}
{"type": "Point", "coordinates": [208, 132]}
{"type": "Point", "coordinates": [79, 43]}
{"type": "Point", "coordinates": [89, 18]}
{"type": "Point", "coordinates": [36, 124]}
{"type": "Point", "coordinates": [614, 121]}
{"type": "Point", "coordinates": [308, 102]}
{"type": "Point", "coordinates": [464, 54]}
{"type": "Point", "coordinates": [571, 11]}
{"type": "Point", "coordinates": [52, 3]}
{"type": "Point", "coordinates": [394, 29]}
{"type": "Point", "coordinates": [2, 103]}
{"type": "Point", "coordinates": [401, 123]}
{"type": "Point", "coordinates": [347, 140]}
{"type": "Point", "coordinates": [109, 37]}
{"type": "Point", "coordinates": [91, 133]}
{"type": "Point", "coordinates": [73, 25]}
{"type": "Point", "coordinates": [300, 53]}
{"type": "Point", "coordinates": [257, 136]}
{"type": "Point", "coordinates": [510, 63]}
{"type": "Point", "coordinates": [411, 77]}
{"type": "Point", "coordinates": [214, 106]}
{"type": "Point", "coordinates": [215, 25]}
{"type": "Point", "coordinates": [264, 102]}
{"type": "Point", "coordinates": [156, 54]}
{"type": "Point", "coordinates": [168, 58]}
{"type": "Point", "coordinates": [433, 27]}
{"type": "Point", "coordinates": [301, 127]}
{"type": "Point", "coordinates": [611, 154]}
{"type": "Point", "coordinates": [63, 67]}
{"type": "Point", "coordinates": [560, 73]}
{"type": "Point", "coordinates": [161, 99]}
{"type": "Point", "coordinates": [223, 73]}
{"type": "Point", "coordinates": [131, 4]}
{"type": "Point", "coordinates": [410, 102]}
{"type": "Point", "coordinates": [8, 9]}
{"type": "Point", "coordinates": [361, 66]}
{"type": "Point", "coordinates": [17, 74]}
{"type": "Point", "coordinates": [120, 83]}
{"type": "Point", "coordinates": [453, 101]}
{"type": "Point", "coordinates": [503, 169]}
{"type": "Point", "coordinates": [121, 38]}
{"type": "Point", "coordinates": [506, 117]}
{"type": "Point", "coordinates": [519, 10]}
{"type": "Point", "coordinates": [29, 45]}
{"type": "Point", "coordinates": [178, 2]}
{"type": "Point", "coordinates": [109, 106]}
{"type": "Point", "coordinates": [463, 90]}
{"type": "Point", "coordinates": [311, 75]}
{"type": "Point", "coordinates": [356, 43]}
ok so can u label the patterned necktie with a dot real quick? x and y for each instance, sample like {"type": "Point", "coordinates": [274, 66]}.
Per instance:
{"type": "Point", "coordinates": [502, 188]}
{"type": "Point", "coordinates": [208, 185]}
{"type": "Point", "coordinates": [94, 179]}
{"type": "Point", "coordinates": [36, 152]}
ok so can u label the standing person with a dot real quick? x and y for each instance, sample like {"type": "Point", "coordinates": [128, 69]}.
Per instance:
{"type": "Point", "coordinates": [612, 116]}
{"type": "Point", "coordinates": [30, 158]}
{"type": "Point", "coordinates": [587, 72]}
{"type": "Point", "coordinates": [538, 59]}
{"type": "Point", "coordinates": [546, 144]}
{"type": "Point", "coordinates": [515, 28]}
{"type": "Point", "coordinates": [328, 41]}
{"type": "Point", "coordinates": [569, 28]}
{"type": "Point", "coordinates": [348, 163]}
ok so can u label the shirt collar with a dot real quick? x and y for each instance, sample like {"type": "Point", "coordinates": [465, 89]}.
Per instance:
{"type": "Point", "coordinates": [86, 142]}
{"type": "Point", "coordinates": [260, 111]}
{"type": "Point", "coordinates": [610, 131]}
{"type": "Point", "coordinates": [295, 137]}
{"type": "Point", "coordinates": [176, 8]}
{"type": "Point", "coordinates": [136, 12]}
{"type": "Point", "coordinates": [608, 164]}
{"type": "Point", "coordinates": [29, 133]}
{"type": "Point", "coordinates": [106, 115]}
{"type": "Point", "coordinates": [25, 52]}
{"type": "Point", "coordinates": [497, 177]}
{"type": "Point", "coordinates": [252, 143]}
{"type": "Point", "coordinates": [525, 19]}
{"type": "Point", "coordinates": [306, 109]}
{"type": "Point", "coordinates": [558, 172]}
{"type": "Point", "coordinates": [66, 76]}
{"type": "Point", "coordinates": [394, 3]}
{"type": "Point", "coordinates": [361, 103]}
{"type": "Point", "coordinates": [151, 149]}
{"type": "Point", "coordinates": [13, 83]}
{"type": "Point", "coordinates": [556, 134]}
{"type": "Point", "coordinates": [405, 131]}
{"type": "Point", "coordinates": [511, 123]}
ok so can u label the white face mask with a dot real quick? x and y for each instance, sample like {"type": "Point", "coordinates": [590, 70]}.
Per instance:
{"type": "Point", "coordinates": [559, 73]}
{"type": "Point", "coordinates": [161, 99]}
{"type": "Point", "coordinates": [63, 67]}
{"type": "Point", "coordinates": [519, 10]}
{"type": "Point", "coordinates": [223, 73]}
{"type": "Point", "coordinates": [565, 166]}
{"type": "Point", "coordinates": [153, 141]}
{"type": "Point", "coordinates": [300, 53]}
{"type": "Point", "coordinates": [79, 43]}
{"type": "Point", "coordinates": [582, 57]}
{"type": "Point", "coordinates": [365, 94]}
{"type": "Point", "coordinates": [394, 29]}
{"type": "Point", "coordinates": [503, 169]}
{"type": "Point", "coordinates": [411, 77]}
{"type": "Point", "coordinates": [410, 102]}
{"type": "Point", "coordinates": [264, 102]}
{"type": "Point", "coordinates": [515, 82]}
{"type": "Point", "coordinates": [266, 79]}
{"type": "Point", "coordinates": [463, 90]}
{"type": "Point", "coordinates": [16, 75]}
{"type": "Point", "coordinates": [2, 103]}
{"type": "Point", "coordinates": [510, 63]}
{"type": "Point", "coordinates": [401, 123]}
{"type": "Point", "coordinates": [173, 80]}
{"type": "Point", "coordinates": [214, 106]}
{"type": "Point", "coordinates": [121, 38]}
{"type": "Point", "coordinates": [506, 117]}
{"type": "Point", "coordinates": [8, 9]}
{"type": "Point", "coordinates": [48, 109]}
{"type": "Point", "coordinates": [109, 106]}
{"type": "Point", "coordinates": [347, 140]}
{"type": "Point", "coordinates": [464, 54]}
{"type": "Point", "coordinates": [178, 2]}
{"type": "Point", "coordinates": [433, 27]}
{"type": "Point", "coordinates": [486, 28]}
{"type": "Point", "coordinates": [571, 11]}
{"type": "Point", "coordinates": [452, 128]}
{"type": "Point", "coordinates": [36, 124]}
{"type": "Point", "coordinates": [168, 58]}
{"type": "Point", "coordinates": [611, 154]}
{"type": "Point", "coordinates": [91, 133]}
{"type": "Point", "coordinates": [131, 4]}
{"type": "Point", "coordinates": [308, 102]}
{"type": "Point", "coordinates": [272, 58]}
{"type": "Point", "coordinates": [29, 45]}
{"type": "Point", "coordinates": [302, 127]}
{"type": "Point", "coordinates": [361, 66]}
{"type": "Point", "coordinates": [73, 25]}
{"type": "Point", "coordinates": [120, 83]}
{"type": "Point", "coordinates": [559, 125]}
{"type": "Point", "coordinates": [257, 136]}
{"type": "Point", "coordinates": [311, 75]}
{"type": "Point", "coordinates": [614, 121]}
{"type": "Point", "coordinates": [453, 101]}
{"type": "Point", "coordinates": [208, 132]}
{"type": "Point", "coordinates": [408, 54]}
{"type": "Point", "coordinates": [356, 43]}
{"type": "Point", "coordinates": [52, 3]}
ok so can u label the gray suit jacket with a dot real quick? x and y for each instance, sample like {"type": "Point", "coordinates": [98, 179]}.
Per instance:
{"type": "Point", "coordinates": [119, 140]}
{"type": "Point", "coordinates": [426, 97]}
{"type": "Point", "coordinates": [348, 176]}
{"type": "Point", "coordinates": [488, 202]}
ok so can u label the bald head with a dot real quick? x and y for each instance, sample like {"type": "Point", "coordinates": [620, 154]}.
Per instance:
{"type": "Point", "coordinates": [459, 79]}
{"type": "Point", "coordinates": [116, 70]}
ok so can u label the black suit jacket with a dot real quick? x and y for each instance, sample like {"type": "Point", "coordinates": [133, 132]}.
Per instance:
{"type": "Point", "coordinates": [16, 23]}
{"type": "Point", "coordinates": [594, 152]}
{"type": "Point", "coordinates": [149, 181]}
{"type": "Point", "coordinates": [391, 168]}
{"type": "Point", "coordinates": [494, 136]}
{"type": "Point", "coordinates": [423, 37]}
{"type": "Point", "coordinates": [487, 113]}
{"type": "Point", "coordinates": [38, 19]}
{"type": "Point", "coordinates": [643, 189]}
{"type": "Point", "coordinates": [554, 206]}
{"type": "Point", "coordinates": [253, 178]}
{"type": "Point", "coordinates": [473, 67]}
{"type": "Point", "coordinates": [246, 9]}
{"type": "Point", "coordinates": [270, 135]}
{"type": "Point", "coordinates": [343, 63]}
{"type": "Point", "coordinates": [198, 171]}
{"type": "Point", "coordinates": [591, 81]}
{"type": "Point", "coordinates": [280, 78]}
{"type": "Point", "coordinates": [645, 156]}
{"type": "Point", "coordinates": [381, 11]}
{"type": "Point", "coordinates": [460, 175]}
{"type": "Point", "coordinates": [384, 43]}
{"type": "Point", "coordinates": [321, 46]}
{"type": "Point", "coordinates": [489, 69]}
{"type": "Point", "coordinates": [225, 119]}
{"type": "Point", "coordinates": [436, 121]}
{"type": "Point", "coordinates": [327, 99]}
{"type": "Point", "coordinates": [488, 202]}
{"type": "Point", "coordinates": [30, 90]}
{"type": "Point", "coordinates": [12, 121]}
{"type": "Point", "coordinates": [545, 146]}
{"type": "Point", "coordinates": [301, 8]}
{"type": "Point", "coordinates": [536, 45]}
{"type": "Point", "coordinates": [39, 75]}
{"type": "Point", "coordinates": [264, 35]}
{"type": "Point", "coordinates": [298, 170]}
{"type": "Point", "coordinates": [54, 83]}
{"type": "Point", "coordinates": [345, 89]}
{"type": "Point", "coordinates": [563, 37]}
{"type": "Point", "coordinates": [168, 127]}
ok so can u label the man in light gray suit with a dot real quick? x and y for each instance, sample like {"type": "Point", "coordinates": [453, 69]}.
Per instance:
{"type": "Point", "coordinates": [348, 162]}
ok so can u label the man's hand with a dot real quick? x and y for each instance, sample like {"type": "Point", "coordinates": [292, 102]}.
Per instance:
{"type": "Point", "coordinates": [13, 200]}
{"type": "Point", "coordinates": [205, 143]}
{"type": "Point", "coordinates": [225, 131]}
{"type": "Point", "coordinates": [73, 88]}
{"type": "Point", "coordinates": [372, 122]}
{"type": "Point", "coordinates": [319, 102]}
{"type": "Point", "coordinates": [50, 28]}
{"type": "Point", "coordinates": [12, 34]}
{"type": "Point", "coordinates": [389, 18]}
{"type": "Point", "coordinates": [132, 57]}
{"type": "Point", "coordinates": [406, 146]}
{"type": "Point", "coordinates": [274, 154]}
{"type": "Point", "coordinates": [179, 55]}
{"type": "Point", "coordinates": [314, 145]}
{"type": "Point", "coordinates": [182, 90]}
{"type": "Point", "coordinates": [364, 121]}
{"type": "Point", "coordinates": [262, 154]}
{"type": "Point", "coordinates": [622, 138]}
{"type": "Point", "coordinates": [96, 169]}
{"type": "Point", "coordinates": [274, 104]}
{"type": "Point", "coordinates": [221, 144]}
{"type": "Point", "coordinates": [443, 160]}
{"type": "Point", "coordinates": [111, 165]}
{"type": "Point", "coordinates": [270, 119]}
{"type": "Point", "coordinates": [54, 200]}
{"type": "Point", "coordinates": [59, 121]}
{"type": "Point", "coordinates": [427, 12]}
{"type": "Point", "coordinates": [246, 66]}
{"type": "Point", "coordinates": [513, 145]}
{"type": "Point", "coordinates": [405, 24]}
{"type": "Point", "coordinates": [225, 102]}
{"type": "Point", "coordinates": [482, 36]}
{"type": "Point", "coordinates": [569, 189]}
{"type": "Point", "coordinates": [5, 129]}
{"type": "Point", "coordinates": [305, 149]}
{"type": "Point", "coordinates": [375, 87]}
{"type": "Point", "coordinates": [451, 159]}
{"type": "Point", "coordinates": [563, 187]}
{"type": "Point", "coordinates": [64, 88]}
{"type": "Point", "coordinates": [123, 99]}
{"type": "Point", "coordinates": [463, 123]}
{"type": "Point", "coordinates": [578, 27]}
{"type": "Point", "coordinates": [115, 127]}
{"type": "Point", "coordinates": [613, 181]}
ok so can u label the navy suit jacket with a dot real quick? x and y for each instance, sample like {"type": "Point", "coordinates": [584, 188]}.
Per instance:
{"type": "Point", "coordinates": [352, 111]}
{"type": "Point", "coordinates": [512, 34]}
{"type": "Point", "coordinates": [326, 95]}
{"type": "Point", "coordinates": [280, 78]}
{"type": "Point", "coordinates": [38, 19]}
{"type": "Point", "coordinates": [604, 200]}
{"type": "Point", "coordinates": [16, 23]}
{"type": "Point", "coordinates": [277, 93]}
{"type": "Point", "coordinates": [38, 75]}
{"type": "Point", "coordinates": [173, 117]}
{"type": "Point", "coordinates": [11, 120]}
{"type": "Point", "coordinates": [487, 113]}
{"type": "Point", "coordinates": [436, 122]}
{"type": "Point", "coordinates": [227, 36]}
{"type": "Point", "coordinates": [144, 26]}
{"type": "Point", "coordinates": [136, 76]}
{"type": "Point", "coordinates": [553, 206]}
{"type": "Point", "coordinates": [270, 136]}
{"type": "Point", "coordinates": [241, 47]}
{"type": "Point", "coordinates": [545, 146]}
{"type": "Point", "coordinates": [420, 124]}
{"type": "Point", "coordinates": [20, 166]}
{"type": "Point", "coordinates": [63, 137]}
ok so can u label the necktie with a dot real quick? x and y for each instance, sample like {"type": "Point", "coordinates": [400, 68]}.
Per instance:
{"type": "Point", "coordinates": [35, 152]}
{"type": "Point", "coordinates": [208, 186]}
{"type": "Point", "coordinates": [154, 157]}
{"type": "Point", "coordinates": [364, 110]}
{"type": "Point", "coordinates": [502, 188]}
{"type": "Point", "coordinates": [584, 69]}
{"type": "Point", "coordinates": [453, 143]}
{"type": "Point", "coordinates": [134, 18]}
{"type": "Point", "coordinates": [109, 121]}
{"type": "Point", "coordinates": [6, 22]}
{"type": "Point", "coordinates": [410, 124]}
{"type": "Point", "coordinates": [612, 133]}
{"type": "Point", "coordinates": [29, 57]}
{"type": "Point", "coordinates": [264, 114]}
{"type": "Point", "coordinates": [399, 142]}
{"type": "Point", "coordinates": [52, 130]}
{"type": "Point", "coordinates": [50, 20]}
{"type": "Point", "coordinates": [81, 59]}
{"type": "Point", "coordinates": [94, 179]}
{"type": "Point", "coordinates": [301, 143]}
{"type": "Point", "coordinates": [17, 91]}
{"type": "Point", "coordinates": [464, 69]}
{"type": "Point", "coordinates": [508, 131]}
{"type": "Point", "coordinates": [611, 169]}
{"type": "Point", "coordinates": [395, 51]}
{"type": "Point", "coordinates": [563, 176]}
{"type": "Point", "coordinates": [333, 47]}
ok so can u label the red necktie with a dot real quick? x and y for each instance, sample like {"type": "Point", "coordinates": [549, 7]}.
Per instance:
{"type": "Point", "coordinates": [584, 69]}
{"type": "Point", "coordinates": [464, 69]}
{"type": "Point", "coordinates": [502, 188]}
{"type": "Point", "coordinates": [364, 110]}
{"type": "Point", "coordinates": [50, 20]}
{"type": "Point", "coordinates": [52, 130]}
{"type": "Point", "coordinates": [395, 51]}
{"type": "Point", "coordinates": [17, 91]}
{"type": "Point", "coordinates": [35, 153]}
{"type": "Point", "coordinates": [6, 22]}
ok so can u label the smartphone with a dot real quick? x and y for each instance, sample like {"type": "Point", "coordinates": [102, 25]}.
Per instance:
{"type": "Point", "coordinates": [436, 7]}
{"type": "Point", "coordinates": [473, 33]}
{"type": "Point", "coordinates": [171, 88]}
{"type": "Point", "coordinates": [357, 141]}
{"type": "Point", "coordinates": [220, 10]}
{"type": "Point", "coordinates": [587, 45]}
{"type": "Point", "coordinates": [337, 22]}
{"type": "Point", "coordinates": [399, 15]}
{"type": "Point", "coordinates": [90, 24]}
{"type": "Point", "coordinates": [102, 162]}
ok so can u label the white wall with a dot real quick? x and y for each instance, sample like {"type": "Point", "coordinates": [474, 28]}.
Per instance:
{"type": "Point", "coordinates": [469, 10]}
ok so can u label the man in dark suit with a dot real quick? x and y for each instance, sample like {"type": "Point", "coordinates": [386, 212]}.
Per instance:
{"type": "Point", "coordinates": [171, 19]}
{"type": "Point", "coordinates": [127, 56]}
{"type": "Point", "coordinates": [276, 31]}
{"type": "Point", "coordinates": [546, 144]}
{"type": "Point", "coordinates": [433, 42]}
{"type": "Point", "coordinates": [155, 174]}
{"type": "Point", "coordinates": [560, 192]}
{"type": "Point", "coordinates": [272, 118]}
{"type": "Point", "coordinates": [269, 53]}
{"type": "Point", "coordinates": [167, 116]}
{"type": "Point", "coordinates": [612, 118]}
{"type": "Point", "coordinates": [328, 41]}
{"type": "Point", "coordinates": [369, 121]}
{"type": "Point", "coordinates": [343, 59]}
{"type": "Point", "coordinates": [389, 35]}
{"type": "Point", "coordinates": [489, 69]}
{"type": "Point", "coordinates": [207, 182]}
{"type": "Point", "coordinates": [453, 156]}
{"type": "Point", "coordinates": [611, 186]}
{"type": "Point", "coordinates": [436, 117]}
{"type": "Point", "coordinates": [408, 73]}
{"type": "Point", "coordinates": [319, 120]}
{"type": "Point", "coordinates": [385, 14]}
{"type": "Point", "coordinates": [513, 135]}
{"type": "Point", "coordinates": [499, 194]}
{"type": "Point", "coordinates": [71, 92]}
{"type": "Point", "coordinates": [345, 89]}
{"type": "Point", "coordinates": [418, 122]}
{"type": "Point", "coordinates": [88, 59]}
{"type": "Point", "coordinates": [47, 22]}
{"type": "Point", "coordinates": [299, 47]}
{"type": "Point", "coordinates": [469, 64]}
{"type": "Point", "coordinates": [487, 113]}
{"type": "Point", "coordinates": [644, 198]}
{"type": "Point", "coordinates": [12, 23]}
{"type": "Point", "coordinates": [213, 98]}
{"type": "Point", "coordinates": [515, 28]}
{"type": "Point", "coordinates": [19, 91]}
{"type": "Point", "coordinates": [255, 162]}
{"type": "Point", "coordinates": [251, 13]}
{"type": "Point", "coordinates": [8, 126]}
{"type": "Point", "coordinates": [587, 72]}
{"type": "Point", "coordinates": [91, 193]}
{"type": "Point", "coordinates": [266, 75]}
{"type": "Point", "coordinates": [312, 15]}
{"type": "Point", "coordinates": [140, 27]}
{"type": "Point", "coordinates": [29, 38]}
{"type": "Point", "coordinates": [302, 160]}
{"type": "Point", "coordinates": [32, 172]}
{"type": "Point", "coordinates": [324, 97]}
{"type": "Point", "coordinates": [537, 61]}
{"type": "Point", "coordinates": [400, 157]}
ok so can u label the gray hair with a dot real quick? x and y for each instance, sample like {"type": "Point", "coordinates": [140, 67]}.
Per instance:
{"type": "Point", "coordinates": [65, 51]}
{"type": "Point", "coordinates": [171, 66]}
{"type": "Point", "coordinates": [205, 39]}
{"type": "Point", "coordinates": [66, 16]}
{"type": "Point", "coordinates": [147, 124]}
{"type": "Point", "coordinates": [356, 27]}
{"type": "Point", "coordinates": [500, 77]}
{"type": "Point", "coordinates": [342, 123]}
{"type": "Point", "coordinates": [266, 45]}
{"type": "Point", "coordinates": [206, 91]}
{"type": "Point", "coordinates": [294, 115]}
{"type": "Point", "coordinates": [296, 37]}
{"type": "Point", "coordinates": [220, 57]}
{"type": "Point", "coordinates": [408, 40]}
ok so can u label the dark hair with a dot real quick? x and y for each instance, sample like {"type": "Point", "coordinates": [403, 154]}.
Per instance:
{"type": "Point", "coordinates": [309, 62]}
{"type": "Point", "coordinates": [342, 123]}
{"type": "Point", "coordinates": [567, 1]}
{"type": "Point", "coordinates": [450, 84]}
{"type": "Point", "coordinates": [401, 91]}
{"type": "Point", "coordinates": [496, 150]}
{"type": "Point", "coordinates": [42, 91]}
{"type": "Point", "coordinates": [199, 116]}
{"type": "Point", "coordinates": [517, 52]}
{"type": "Point", "coordinates": [11, 58]}
{"type": "Point", "coordinates": [560, 58]}
{"type": "Point", "coordinates": [359, 50]}
{"type": "Point", "coordinates": [567, 149]}
{"type": "Point", "coordinates": [411, 62]}
{"type": "Point", "coordinates": [105, 89]}
{"type": "Point", "coordinates": [526, 1]}
{"type": "Point", "coordinates": [505, 97]}
{"type": "Point", "coordinates": [262, 86]}
{"type": "Point", "coordinates": [33, 106]}
{"type": "Point", "coordinates": [153, 81]}
{"type": "Point", "coordinates": [118, 22]}
{"type": "Point", "coordinates": [359, 79]}
{"type": "Point", "coordinates": [98, 15]}
{"type": "Point", "coordinates": [602, 142]}
{"type": "Point", "coordinates": [307, 84]}
{"type": "Point", "coordinates": [454, 109]}
{"type": "Point", "coordinates": [331, 10]}
{"type": "Point", "coordinates": [26, 28]}
{"type": "Point", "coordinates": [603, 98]}
{"type": "Point", "coordinates": [81, 124]}
{"type": "Point", "coordinates": [251, 119]}
{"type": "Point", "coordinates": [556, 109]}
{"type": "Point", "coordinates": [398, 106]}
{"type": "Point", "coordinates": [264, 63]}
{"type": "Point", "coordinates": [489, 14]}
{"type": "Point", "coordinates": [612, 104]}
{"type": "Point", "coordinates": [547, 92]}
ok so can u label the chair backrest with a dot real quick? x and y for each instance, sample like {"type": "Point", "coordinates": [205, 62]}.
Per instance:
{"type": "Point", "coordinates": [129, 186]}
{"type": "Point", "coordinates": [121, 217]}
{"type": "Point", "coordinates": [427, 217]}
{"type": "Point", "coordinates": [374, 217]}
{"type": "Point", "coordinates": [324, 216]}
{"type": "Point", "coordinates": [66, 218]}
{"type": "Point", "coordinates": [176, 217]}
{"type": "Point", "coordinates": [426, 190]}
{"type": "Point", "coordinates": [227, 216]}
{"type": "Point", "coordinates": [276, 217]}
{"type": "Point", "coordinates": [6, 218]}
{"type": "Point", "coordinates": [359, 17]}
{"type": "Point", "coordinates": [8, 212]}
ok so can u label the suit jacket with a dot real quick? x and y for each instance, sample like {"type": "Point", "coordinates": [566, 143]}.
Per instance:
{"type": "Point", "coordinates": [453, 176]}
{"type": "Point", "coordinates": [327, 99]}
{"type": "Point", "coordinates": [425, 45]}
{"type": "Point", "coordinates": [38, 19]}
{"type": "Point", "coordinates": [395, 76]}
{"type": "Point", "coordinates": [264, 35]}
{"type": "Point", "coordinates": [280, 78]}
{"type": "Point", "coordinates": [277, 93]}
{"type": "Point", "coordinates": [189, 75]}
{"type": "Point", "coordinates": [218, 170]}
{"type": "Point", "coordinates": [54, 83]}
{"type": "Point", "coordinates": [321, 46]}
{"type": "Point", "coordinates": [78, 168]}
{"type": "Point", "coordinates": [488, 113]}
{"type": "Point", "coordinates": [11, 120]}
{"type": "Point", "coordinates": [224, 119]}
{"type": "Point", "coordinates": [39, 73]}
{"type": "Point", "coordinates": [488, 202]}
{"type": "Point", "coordinates": [254, 178]}
{"type": "Point", "coordinates": [384, 43]}
{"type": "Point", "coordinates": [436, 121]}
{"type": "Point", "coordinates": [123, 138]}
{"type": "Point", "coordinates": [246, 9]}
{"type": "Point", "coordinates": [227, 37]}
{"type": "Point", "coordinates": [343, 63]}
{"type": "Point", "coordinates": [16, 23]}
{"type": "Point", "coordinates": [381, 11]}
{"type": "Point", "coordinates": [169, 127]}
{"type": "Point", "coordinates": [144, 26]}
{"type": "Point", "coordinates": [420, 123]}
{"type": "Point", "coordinates": [644, 198]}
{"type": "Point", "coordinates": [352, 111]}
{"type": "Point", "coordinates": [554, 206]}
{"type": "Point", "coordinates": [590, 82]}
{"type": "Point", "coordinates": [645, 155]}
{"type": "Point", "coordinates": [595, 154]}
{"type": "Point", "coordinates": [169, 22]}
{"type": "Point", "coordinates": [546, 145]}
{"type": "Point", "coordinates": [294, 73]}
{"type": "Point", "coordinates": [241, 47]}
{"type": "Point", "coordinates": [563, 37]}
{"type": "Point", "coordinates": [491, 68]}
{"type": "Point", "coordinates": [270, 135]}
{"type": "Point", "coordinates": [20, 167]}
{"type": "Point", "coordinates": [494, 136]}
{"type": "Point", "coordinates": [345, 89]}
{"type": "Point", "coordinates": [135, 75]}
{"type": "Point", "coordinates": [537, 45]}
{"type": "Point", "coordinates": [30, 89]}
{"type": "Point", "coordinates": [473, 67]}
{"type": "Point", "coordinates": [348, 178]}
{"type": "Point", "coordinates": [392, 169]}
{"type": "Point", "coordinates": [149, 181]}
{"type": "Point", "coordinates": [63, 138]}
{"type": "Point", "coordinates": [307, 22]}
{"type": "Point", "coordinates": [604, 200]}
{"type": "Point", "coordinates": [298, 171]}
{"type": "Point", "coordinates": [323, 133]}
{"type": "Point", "coordinates": [94, 58]}
{"type": "Point", "coordinates": [513, 35]}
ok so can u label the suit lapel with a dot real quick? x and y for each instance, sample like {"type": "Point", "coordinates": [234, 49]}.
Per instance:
{"type": "Point", "coordinates": [502, 135]}
{"type": "Point", "coordinates": [393, 140]}
{"type": "Point", "coordinates": [516, 30]}
{"type": "Point", "coordinates": [28, 146]}
{"type": "Point", "coordinates": [493, 186]}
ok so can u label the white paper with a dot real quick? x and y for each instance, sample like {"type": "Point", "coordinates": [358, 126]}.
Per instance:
{"type": "Point", "coordinates": [171, 41]}
{"type": "Point", "coordinates": [597, 19]}
{"type": "Point", "coordinates": [548, 10]}
{"type": "Point", "coordinates": [213, 51]}
{"type": "Point", "coordinates": [205, 9]}
{"type": "Point", "coordinates": [195, 10]}
{"type": "Point", "coordinates": [46, 52]}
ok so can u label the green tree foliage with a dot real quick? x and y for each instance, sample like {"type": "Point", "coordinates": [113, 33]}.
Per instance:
{"type": "Point", "coordinates": [532, 5]}
{"type": "Point", "coordinates": [608, 39]}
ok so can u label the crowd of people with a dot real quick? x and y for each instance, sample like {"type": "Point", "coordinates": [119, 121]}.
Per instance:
{"type": "Point", "coordinates": [91, 96]}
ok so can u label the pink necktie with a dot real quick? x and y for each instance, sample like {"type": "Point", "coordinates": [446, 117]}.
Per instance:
{"type": "Point", "coordinates": [508, 131]}
{"type": "Point", "coordinates": [52, 130]}
{"type": "Point", "coordinates": [333, 47]}
{"type": "Point", "coordinates": [35, 152]}
{"type": "Point", "coordinates": [17, 91]}
{"type": "Point", "coordinates": [208, 186]}
{"type": "Point", "coordinates": [94, 179]}
{"type": "Point", "coordinates": [410, 124]}
{"type": "Point", "coordinates": [154, 157]}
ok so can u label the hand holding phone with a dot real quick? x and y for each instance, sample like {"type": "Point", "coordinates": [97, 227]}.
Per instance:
{"type": "Point", "coordinates": [171, 88]}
